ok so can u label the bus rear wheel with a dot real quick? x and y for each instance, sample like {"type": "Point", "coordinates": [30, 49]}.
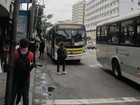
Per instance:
{"type": "Point", "coordinates": [116, 70]}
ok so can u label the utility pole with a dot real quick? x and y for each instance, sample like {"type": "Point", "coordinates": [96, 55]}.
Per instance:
{"type": "Point", "coordinates": [31, 27]}
{"type": "Point", "coordinates": [8, 93]}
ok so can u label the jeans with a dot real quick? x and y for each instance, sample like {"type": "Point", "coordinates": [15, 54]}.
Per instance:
{"type": "Point", "coordinates": [18, 99]}
{"type": "Point", "coordinates": [41, 55]}
{"type": "Point", "coordinates": [59, 62]}
{"type": "Point", "coordinates": [24, 88]}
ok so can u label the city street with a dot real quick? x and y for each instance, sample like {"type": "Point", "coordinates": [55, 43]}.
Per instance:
{"type": "Point", "coordinates": [79, 26]}
{"type": "Point", "coordinates": [86, 83]}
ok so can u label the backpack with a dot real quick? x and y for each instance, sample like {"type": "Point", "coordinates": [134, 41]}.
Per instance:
{"type": "Point", "coordinates": [62, 53]}
{"type": "Point", "coordinates": [22, 66]}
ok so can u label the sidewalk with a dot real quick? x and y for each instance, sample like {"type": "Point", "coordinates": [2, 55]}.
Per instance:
{"type": "Point", "coordinates": [3, 77]}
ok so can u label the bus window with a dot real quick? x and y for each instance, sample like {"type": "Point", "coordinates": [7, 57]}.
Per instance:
{"type": "Point", "coordinates": [70, 37]}
{"type": "Point", "coordinates": [113, 34]}
{"type": "Point", "coordinates": [138, 32]}
{"type": "Point", "coordinates": [103, 37]}
{"type": "Point", "coordinates": [78, 37]}
{"type": "Point", "coordinates": [127, 33]}
{"type": "Point", "coordinates": [63, 36]}
{"type": "Point", "coordinates": [98, 34]}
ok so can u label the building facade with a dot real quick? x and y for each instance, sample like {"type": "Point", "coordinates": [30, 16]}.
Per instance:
{"type": "Point", "coordinates": [6, 12]}
{"type": "Point", "coordinates": [78, 12]}
{"type": "Point", "coordinates": [100, 10]}
{"type": "Point", "coordinates": [6, 19]}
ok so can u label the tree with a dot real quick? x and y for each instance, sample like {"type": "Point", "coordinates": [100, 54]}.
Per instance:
{"type": "Point", "coordinates": [49, 16]}
{"type": "Point", "coordinates": [40, 14]}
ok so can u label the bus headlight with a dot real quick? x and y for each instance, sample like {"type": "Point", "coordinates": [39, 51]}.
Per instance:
{"type": "Point", "coordinates": [97, 50]}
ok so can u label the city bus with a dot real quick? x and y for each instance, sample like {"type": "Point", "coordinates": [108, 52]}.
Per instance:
{"type": "Point", "coordinates": [118, 45]}
{"type": "Point", "coordinates": [74, 38]}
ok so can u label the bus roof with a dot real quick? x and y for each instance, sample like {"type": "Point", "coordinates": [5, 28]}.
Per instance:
{"type": "Point", "coordinates": [122, 17]}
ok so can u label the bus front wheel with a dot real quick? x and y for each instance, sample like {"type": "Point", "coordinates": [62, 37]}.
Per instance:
{"type": "Point", "coordinates": [116, 69]}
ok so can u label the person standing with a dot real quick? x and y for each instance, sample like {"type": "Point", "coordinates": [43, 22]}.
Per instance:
{"type": "Point", "coordinates": [32, 48]}
{"type": "Point", "coordinates": [5, 51]}
{"type": "Point", "coordinates": [61, 56]}
{"type": "Point", "coordinates": [41, 49]}
{"type": "Point", "coordinates": [21, 76]}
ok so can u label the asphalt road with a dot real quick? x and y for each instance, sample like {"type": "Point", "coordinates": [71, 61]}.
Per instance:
{"type": "Point", "coordinates": [86, 83]}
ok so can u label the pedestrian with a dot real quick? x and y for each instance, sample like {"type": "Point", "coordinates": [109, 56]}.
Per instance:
{"type": "Point", "coordinates": [41, 49]}
{"type": "Point", "coordinates": [32, 48]}
{"type": "Point", "coordinates": [5, 51]}
{"type": "Point", "coordinates": [61, 56]}
{"type": "Point", "coordinates": [23, 59]}
{"type": "Point", "coordinates": [18, 98]}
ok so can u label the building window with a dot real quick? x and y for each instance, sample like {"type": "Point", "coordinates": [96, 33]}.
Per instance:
{"type": "Point", "coordinates": [127, 32]}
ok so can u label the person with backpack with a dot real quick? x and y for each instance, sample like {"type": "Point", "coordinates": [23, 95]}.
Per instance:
{"type": "Point", "coordinates": [32, 47]}
{"type": "Point", "coordinates": [23, 59]}
{"type": "Point", "coordinates": [61, 56]}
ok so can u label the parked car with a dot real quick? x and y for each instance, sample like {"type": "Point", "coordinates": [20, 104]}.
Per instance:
{"type": "Point", "coordinates": [90, 45]}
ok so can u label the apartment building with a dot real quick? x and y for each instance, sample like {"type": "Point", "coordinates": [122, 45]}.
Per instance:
{"type": "Point", "coordinates": [78, 12]}
{"type": "Point", "coordinates": [100, 10]}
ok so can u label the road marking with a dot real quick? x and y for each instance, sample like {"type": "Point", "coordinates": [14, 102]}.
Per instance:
{"type": "Point", "coordinates": [96, 65]}
{"type": "Point", "coordinates": [93, 101]}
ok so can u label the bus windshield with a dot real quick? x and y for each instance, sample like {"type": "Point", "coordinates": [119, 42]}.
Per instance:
{"type": "Point", "coordinates": [71, 37]}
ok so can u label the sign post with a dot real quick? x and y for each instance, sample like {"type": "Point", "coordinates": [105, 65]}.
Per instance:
{"type": "Point", "coordinates": [8, 93]}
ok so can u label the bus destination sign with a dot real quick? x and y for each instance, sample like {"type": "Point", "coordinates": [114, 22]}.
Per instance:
{"type": "Point", "coordinates": [69, 27]}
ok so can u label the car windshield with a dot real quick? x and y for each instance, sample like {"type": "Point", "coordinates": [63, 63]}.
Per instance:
{"type": "Point", "coordinates": [90, 42]}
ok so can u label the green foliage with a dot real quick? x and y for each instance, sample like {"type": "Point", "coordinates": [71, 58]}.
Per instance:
{"type": "Point", "coordinates": [39, 21]}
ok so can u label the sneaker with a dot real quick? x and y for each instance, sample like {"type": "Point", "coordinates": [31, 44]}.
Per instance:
{"type": "Point", "coordinates": [64, 72]}
{"type": "Point", "coordinates": [18, 103]}
{"type": "Point", "coordinates": [58, 73]}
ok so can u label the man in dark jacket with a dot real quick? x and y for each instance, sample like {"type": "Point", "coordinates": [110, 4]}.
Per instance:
{"type": "Point", "coordinates": [32, 48]}
{"type": "Point", "coordinates": [41, 49]}
{"type": "Point", "coordinates": [61, 56]}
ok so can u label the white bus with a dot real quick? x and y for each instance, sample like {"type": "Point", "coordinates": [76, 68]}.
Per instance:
{"type": "Point", "coordinates": [118, 45]}
{"type": "Point", "coordinates": [74, 38]}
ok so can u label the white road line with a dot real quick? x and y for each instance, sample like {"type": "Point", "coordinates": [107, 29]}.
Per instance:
{"type": "Point", "coordinates": [93, 101]}
{"type": "Point", "coordinates": [96, 65]}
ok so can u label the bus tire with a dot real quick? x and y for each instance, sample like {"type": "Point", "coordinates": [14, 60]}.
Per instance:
{"type": "Point", "coordinates": [116, 70]}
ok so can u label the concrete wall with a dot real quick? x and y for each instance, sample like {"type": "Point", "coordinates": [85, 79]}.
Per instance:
{"type": "Point", "coordinates": [127, 6]}
{"type": "Point", "coordinates": [6, 4]}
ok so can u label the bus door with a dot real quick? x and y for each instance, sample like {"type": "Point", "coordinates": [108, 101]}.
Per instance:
{"type": "Point", "coordinates": [113, 41]}
{"type": "Point", "coordinates": [104, 40]}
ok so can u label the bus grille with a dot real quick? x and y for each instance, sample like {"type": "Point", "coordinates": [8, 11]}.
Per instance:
{"type": "Point", "coordinates": [75, 50]}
